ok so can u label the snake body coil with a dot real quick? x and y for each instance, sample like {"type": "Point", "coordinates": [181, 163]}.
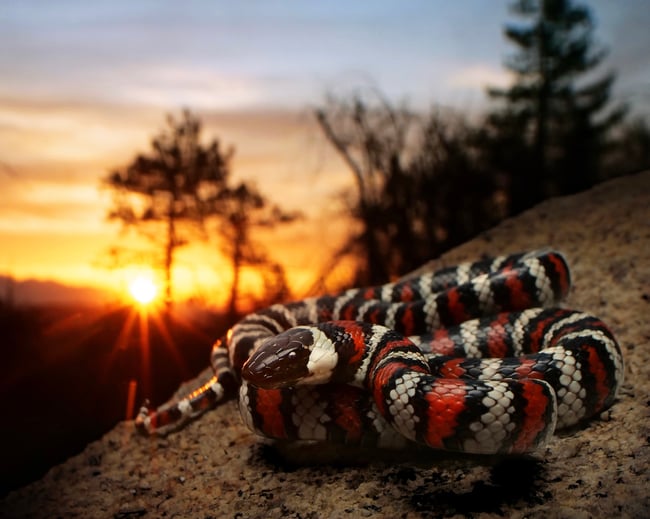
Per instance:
{"type": "Point", "coordinates": [470, 358]}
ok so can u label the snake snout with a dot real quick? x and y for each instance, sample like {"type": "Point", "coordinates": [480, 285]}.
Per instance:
{"type": "Point", "coordinates": [280, 361]}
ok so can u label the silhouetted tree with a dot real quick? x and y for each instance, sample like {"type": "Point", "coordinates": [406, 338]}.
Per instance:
{"type": "Point", "coordinates": [170, 186]}
{"type": "Point", "coordinates": [372, 143]}
{"type": "Point", "coordinates": [184, 184]}
{"type": "Point", "coordinates": [460, 196]}
{"type": "Point", "coordinates": [550, 133]}
{"type": "Point", "coordinates": [240, 210]}
{"type": "Point", "coordinates": [420, 186]}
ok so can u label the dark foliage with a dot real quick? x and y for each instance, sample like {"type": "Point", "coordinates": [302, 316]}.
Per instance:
{"type": "Point", "coordinates": [550, 133]}
{"type": "Point", "coordinates": [170, 187]}
{"type": "Point", "coordinates": [420, 185]}
{"type": "Point", "coordinates": [241, 210]}
{"type": "Point", "coordinates": [186, 184]}
{"type": "Point", "coordinates": [424, 184]}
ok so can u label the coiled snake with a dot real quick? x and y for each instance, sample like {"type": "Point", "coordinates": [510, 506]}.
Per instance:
{"type": "Point", "coordinates": [471, 358]}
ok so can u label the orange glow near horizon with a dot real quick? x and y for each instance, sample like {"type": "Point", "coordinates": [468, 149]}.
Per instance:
{"type": "Point", "coordinates": [53, 210]}
{"type": "Point", "coordinates": [200, 274]}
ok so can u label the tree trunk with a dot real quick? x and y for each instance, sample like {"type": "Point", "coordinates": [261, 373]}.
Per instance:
{"type": "Point", "coordinates": [169, 260]}
{"type": "Point", "coordinates": [237, 259]}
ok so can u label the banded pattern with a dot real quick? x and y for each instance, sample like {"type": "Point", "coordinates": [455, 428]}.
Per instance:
{"type": "Point", "coordinates": [444, 388]}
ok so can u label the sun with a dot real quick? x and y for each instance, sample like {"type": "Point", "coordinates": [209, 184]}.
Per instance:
{"type": "Point", "coordinates": [143, 289]}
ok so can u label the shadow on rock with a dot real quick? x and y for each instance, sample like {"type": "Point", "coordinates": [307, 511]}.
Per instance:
{"type": "Point", "coordinates": [512, 481]}
{"type": "Point", "coordinates": [289, 456]}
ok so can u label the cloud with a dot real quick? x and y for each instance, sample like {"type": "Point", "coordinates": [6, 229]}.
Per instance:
{"type": "Point", "coordinates": [479, 76]}
{"type": "Point", "coordinates": [200, 87]}
{"type": "Point", "coordinates": [37, 132]}
{"type": "Point", "coordinates": [37, 207]}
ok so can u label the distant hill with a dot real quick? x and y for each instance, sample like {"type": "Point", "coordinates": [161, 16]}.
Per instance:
{"type": "Point", "coordinates": [40, 292]}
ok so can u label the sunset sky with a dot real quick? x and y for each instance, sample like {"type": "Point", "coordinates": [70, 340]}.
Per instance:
{"type": "Point", "coordinates": [84, 86]}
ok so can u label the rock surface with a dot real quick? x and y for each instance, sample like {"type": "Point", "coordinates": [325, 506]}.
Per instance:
{"type": "Point", "coordinates": [216, 468]}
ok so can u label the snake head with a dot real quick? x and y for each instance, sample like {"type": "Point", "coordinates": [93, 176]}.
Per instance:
{"type": "Point", "coordinates": [280, 361]}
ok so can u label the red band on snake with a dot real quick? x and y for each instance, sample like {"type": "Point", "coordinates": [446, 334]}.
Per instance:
{"type": "Point", "coordinates": [454, 360]}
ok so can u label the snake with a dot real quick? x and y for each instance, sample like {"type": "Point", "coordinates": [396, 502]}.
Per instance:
{"type": "Point", "coordinates": [475, 358]}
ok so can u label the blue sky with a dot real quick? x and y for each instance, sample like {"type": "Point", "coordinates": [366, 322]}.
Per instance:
{"type": "Point", "coordinates": [281, 53]}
